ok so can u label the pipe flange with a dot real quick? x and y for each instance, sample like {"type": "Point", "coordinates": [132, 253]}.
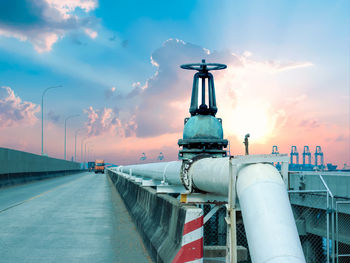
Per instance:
{"type": "Point", "coordinates": [185, 175]}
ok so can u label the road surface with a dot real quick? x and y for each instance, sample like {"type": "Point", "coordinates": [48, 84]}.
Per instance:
{"type": "Point", "coordinates": [76, 218]}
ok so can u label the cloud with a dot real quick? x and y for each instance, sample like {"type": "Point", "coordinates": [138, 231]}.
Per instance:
{"type": "Point", "coordinates": [91, 33]}
{"type": "Point", "coordinates": [159, 105]}
{"type": "Point", "coordinates": [136, 91]}
{"type": "Point", "coordinates": [101, 121]}
{"type": "Point", "coordinates": [43, 22]}
{"type": "Point", "coordinates": [15, 112]}
{"type": "Point", "coordinates": [65, 7]}
{"type": "Point", "coordinates": [163, 100]}
{"type": "Point", "coordinates": [106, 121]}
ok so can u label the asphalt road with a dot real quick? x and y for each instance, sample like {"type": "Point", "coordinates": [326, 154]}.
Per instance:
{"type": "Point", "coordinates": [77, 218]}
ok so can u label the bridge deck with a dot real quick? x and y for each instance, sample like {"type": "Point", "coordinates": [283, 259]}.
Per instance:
{"type": "Point", "coordinates": [77, 218]}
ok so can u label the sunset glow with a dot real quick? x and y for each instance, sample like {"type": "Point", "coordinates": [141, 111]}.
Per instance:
{"type": "Point", "coordinates": [286, 82]}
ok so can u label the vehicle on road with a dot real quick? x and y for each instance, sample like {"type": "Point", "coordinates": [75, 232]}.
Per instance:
{"type": "Point", "coordinates": [91, 166]}
{"type": "Point", "coordinates": [99, 166]}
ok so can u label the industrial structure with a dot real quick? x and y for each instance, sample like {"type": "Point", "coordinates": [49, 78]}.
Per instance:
{"type": "Point", "coordinates": [204, 175]}
{"type": "Point", "coordinates": [208, 206]}
{"type": "Point", "coordinates": [307, 165]}
{"type": "Point", "coordinates": [203, 133]}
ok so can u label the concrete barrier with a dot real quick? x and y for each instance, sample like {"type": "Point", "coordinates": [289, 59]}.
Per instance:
{"type": "Point", "coordinates": [19, 167]}
{"type": "Point", "coordinates": [171, 231]}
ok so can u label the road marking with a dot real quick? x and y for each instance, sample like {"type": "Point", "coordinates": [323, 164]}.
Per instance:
{"type": "Point", "coordinates": [36, 196]}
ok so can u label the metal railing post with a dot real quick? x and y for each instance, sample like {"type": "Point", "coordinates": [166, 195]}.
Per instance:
{"type": "Point", "coordinates": [327, 222]}
{"type": "Point", "coordinates": [333, 231]}
{"type": "Point", "coordinates": [231, 215]}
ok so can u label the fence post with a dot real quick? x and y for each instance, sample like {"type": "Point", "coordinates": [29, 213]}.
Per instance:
{"type": "Point", "coordinates": [231, 255]}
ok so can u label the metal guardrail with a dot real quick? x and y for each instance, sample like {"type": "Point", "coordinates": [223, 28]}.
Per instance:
{"type": "Point", "coordinates": [331, 209]}
{"type": "Point", "coordinates": [346, 253]}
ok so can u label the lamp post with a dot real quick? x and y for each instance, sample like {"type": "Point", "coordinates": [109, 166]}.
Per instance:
{"type": "Point", "coordinates": [81, 149]}
{"type": "Point", "coordinates": [42, 116]}
{"type": "Point", "coordinates": [85, 154]}
{"type": "Point", "coordinates": [65, 132]}
{"type": "Point", "coordinates": [75, 144]}
{"type": "Point", "coordinates": [85, 151]}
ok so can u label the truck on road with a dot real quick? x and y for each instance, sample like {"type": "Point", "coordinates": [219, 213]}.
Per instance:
{"type": "Point", "coordinates": [99, 166]}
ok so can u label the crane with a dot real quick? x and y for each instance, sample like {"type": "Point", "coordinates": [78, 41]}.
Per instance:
{"type": "Point", "coordinates": [307, 158]}
{"type": "Point", "coordinates": [275, 149]}
{"type": "Point", "coordinates": [319, 156]}
{"type": "Point", "coordinates": [294, 152]}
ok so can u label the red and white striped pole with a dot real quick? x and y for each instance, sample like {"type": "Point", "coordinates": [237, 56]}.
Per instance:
{"type": "Point", "coordinates": [191, 250]}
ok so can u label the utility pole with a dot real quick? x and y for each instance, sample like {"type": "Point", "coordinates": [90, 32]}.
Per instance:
{"type": "Point", "coordinates": [65, 132]}
{"type": "Point", "coordinates": [75, 144]}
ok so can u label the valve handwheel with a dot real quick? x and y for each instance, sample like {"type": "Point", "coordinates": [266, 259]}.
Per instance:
{"type": "Point", "coordinates": [203, 67]}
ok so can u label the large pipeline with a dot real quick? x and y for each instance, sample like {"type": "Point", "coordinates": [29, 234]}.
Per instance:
{"type": "Point", "coordinates": [201, 172]}
{"type": "Point", "coordinates": [267, 215]}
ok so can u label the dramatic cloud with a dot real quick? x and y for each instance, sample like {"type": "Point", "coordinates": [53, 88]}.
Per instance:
{"type": "Point", "coordinates": [15, 112]}
{"type": "Point", "coordinates": [43, 22]}
{"type": "Point", "coordinates": [150, 116]}
{"type": "Point", "coordinates": [163, 100]}
{"type": "Point", "coordinates": [101, 121]}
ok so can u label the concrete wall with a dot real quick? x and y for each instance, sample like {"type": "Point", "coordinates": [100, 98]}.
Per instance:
{"type": "Point", "coordinates": [19, 167]}
{"type": "Point", "coordinates": [159, 218]}
{"type": "Point", "coordinates": [13, 161]}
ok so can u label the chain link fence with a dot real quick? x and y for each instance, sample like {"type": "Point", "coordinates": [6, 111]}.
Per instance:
{"type": "Point", "coordinates": [311, 223]}
{"type": "Point", "coordinates": [215, 228]}
{"type": "Point", "coordinates": [313, 218]}
{"type": "Point", "coordinates": [322, 220]}
{"type": "Point", "coordinates": [342, 234]}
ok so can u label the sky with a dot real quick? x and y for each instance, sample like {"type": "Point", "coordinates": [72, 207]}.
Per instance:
{"type": "Point", "coordinates": [116, 63]}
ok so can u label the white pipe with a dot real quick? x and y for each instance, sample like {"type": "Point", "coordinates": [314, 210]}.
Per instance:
{"type": "Point", "coordinates": [211, 175]}
{"type": "Point", "coordinates": [157, 171]}
{"type": "Point", "coordinates": [268, 219]}
{"type": "Point", "coordinates": [208, 174]}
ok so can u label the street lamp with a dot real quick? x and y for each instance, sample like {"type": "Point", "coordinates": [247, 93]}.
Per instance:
{"type": "Point", "coordinates": [42, 116]}
{"type": "Point", "coordinates": [85, 153]}
{"type": "Point", "coordinates": [65, 132]}
{"type": "Point", "coordinates": [75, 144]}
{"type": "Point", "coordinates": [81, 149]}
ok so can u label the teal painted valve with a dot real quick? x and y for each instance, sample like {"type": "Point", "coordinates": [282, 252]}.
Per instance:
{"type": "Point", "coordinates": [203, 133]}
